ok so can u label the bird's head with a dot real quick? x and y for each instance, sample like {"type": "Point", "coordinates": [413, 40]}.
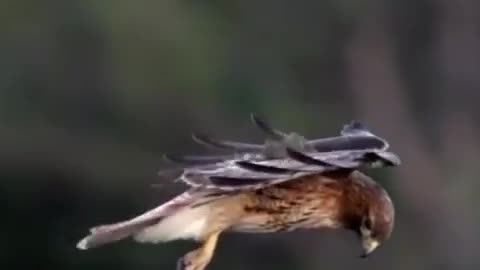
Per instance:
{"type": "Point", "coordinates": [376, 224]}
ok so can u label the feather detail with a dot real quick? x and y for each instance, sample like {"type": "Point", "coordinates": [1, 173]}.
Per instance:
{"type": "Point", "coordinates": [246, 174]}
{"type": "Point", "coordinates": [237, 146]}
{"type": "Point", "coordinates": [266, 128]}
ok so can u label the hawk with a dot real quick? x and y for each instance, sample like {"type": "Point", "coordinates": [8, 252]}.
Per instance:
{"type": "Point", "coordinates": [285, 184]}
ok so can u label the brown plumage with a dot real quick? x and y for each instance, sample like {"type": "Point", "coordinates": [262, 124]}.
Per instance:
{"type": "Point", "coordinates": [287, 184]}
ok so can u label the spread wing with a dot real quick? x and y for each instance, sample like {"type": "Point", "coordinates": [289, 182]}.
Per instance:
{"type": "Point", "coordinates": [283, 157]}
{"type": "Point", "coordinates": [354, 136]}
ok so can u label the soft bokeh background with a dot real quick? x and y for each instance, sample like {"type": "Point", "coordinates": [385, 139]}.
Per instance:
{"type": "Point", "coordinates": [92, 93]}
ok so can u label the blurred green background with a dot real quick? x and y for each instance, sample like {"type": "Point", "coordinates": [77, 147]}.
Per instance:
{"type": "Point", "coordinates": [92, 93]}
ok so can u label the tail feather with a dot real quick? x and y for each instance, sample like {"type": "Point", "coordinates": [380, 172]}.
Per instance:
{"type": "Point", "coordinates": [110, 233]}
{"type": "Point", "coordinates": [104, 234]}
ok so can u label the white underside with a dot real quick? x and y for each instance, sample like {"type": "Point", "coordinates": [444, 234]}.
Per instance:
{"type": "Point", "coordinates": [185, 224]}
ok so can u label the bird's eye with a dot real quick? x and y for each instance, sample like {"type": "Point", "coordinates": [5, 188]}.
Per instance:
{"type": "Point", "coordinates": [367, 223]}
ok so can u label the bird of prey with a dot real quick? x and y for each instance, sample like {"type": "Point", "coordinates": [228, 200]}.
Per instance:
{"type": "Point", "coordinates": [285, 184]}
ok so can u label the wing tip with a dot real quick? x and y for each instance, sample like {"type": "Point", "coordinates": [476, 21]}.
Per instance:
{"type": "Point", "coordinates": [355, 127]}
{"type": "Point", "coordinates": [83, 244]}
{"type": "Point", "coordinates": [390, 159]}
{"type": "Point", "coordinates": [264, 126]}
{"type": "Point", "coordinates": [169, 158]}
{"type": "Point", "coordinates": [201, 138]}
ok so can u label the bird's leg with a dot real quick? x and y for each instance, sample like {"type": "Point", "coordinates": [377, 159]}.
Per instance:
{"type": "Point", "coordinates": [199, 258]}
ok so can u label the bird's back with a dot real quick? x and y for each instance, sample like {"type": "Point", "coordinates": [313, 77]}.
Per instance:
{"type": "Point", "coordinates": [308, 202]}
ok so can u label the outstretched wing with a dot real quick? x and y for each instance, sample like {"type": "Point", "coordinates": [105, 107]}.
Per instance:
{"type": "Point", "coordinates": [353, 137]}
{"type": "Point", "coordinates": [245, 174]}
{"type": "Point", "coordinates": [283, 157]}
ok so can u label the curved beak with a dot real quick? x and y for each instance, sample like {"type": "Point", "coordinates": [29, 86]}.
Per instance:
{"type": "Point", "coordinates": [369, 245]}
